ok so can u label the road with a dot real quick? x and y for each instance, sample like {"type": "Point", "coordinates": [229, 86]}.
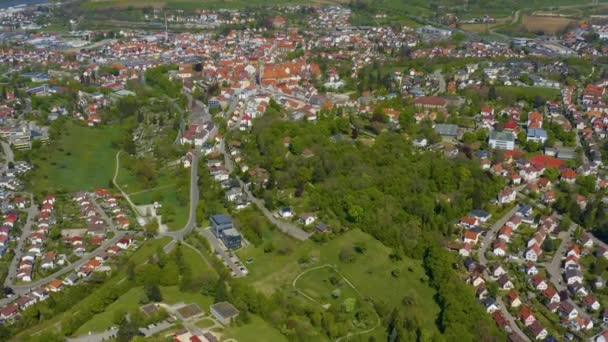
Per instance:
{"type": "Point", "coordinates": [554, 267]}
{"type": "Point", "coordinates": [194, 196]}
{"type": "Point", "coordinates": [32, 211]}
{"type": "Point", "coordinates": [8, 152]}
{"type": "Point", "coordinates": [486, 241]}
{"type": "Point", "coordinates": [285, 227]}
{"type": "Point", "coordinates": [442, 84]}
{"type": "Point", "coordinates": [23, 289]}
{"type": "Point", "coordinates": [491, 234]}
{"type": "Point", "coordinates": [103, 214]}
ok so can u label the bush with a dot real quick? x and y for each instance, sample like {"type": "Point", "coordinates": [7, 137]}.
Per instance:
{"type": "Point", "coordinates": [347, 254]}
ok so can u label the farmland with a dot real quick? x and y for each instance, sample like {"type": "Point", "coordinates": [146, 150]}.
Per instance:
{"type": "Point", "coordinates": [545, 24]}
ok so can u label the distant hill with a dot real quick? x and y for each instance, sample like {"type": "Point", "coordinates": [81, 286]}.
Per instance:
{"type": "Point", "coordinates": [425, 8]}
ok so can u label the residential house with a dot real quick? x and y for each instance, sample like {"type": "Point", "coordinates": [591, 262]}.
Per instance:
{"type": "Point", "coordinates": [537, 331]}
{"type": "Point", "coordinates": [539, 283]}
{"type": "Point", "coordinates": [567, 310]}
{"type": "Point", "coordinates": [513, 298]}
{"type": "Point", "coordinates": [525, 315]}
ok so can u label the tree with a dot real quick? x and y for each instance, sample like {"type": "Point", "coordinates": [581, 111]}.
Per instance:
{"type": "Point", "coordinates": [599, 266]}
{"type": "Point", "coordinates": [492, 93]}
{"type": "Point", "coordinates": [221, 291]}
{"type": "Point", "coordinates": [126, 331]}
{"type": "Point", "coordinates": [151, 228]}
{"type": "Point", "coordinates": [153, 292]}
{"type": "Point", "coordinates": [347, 254]}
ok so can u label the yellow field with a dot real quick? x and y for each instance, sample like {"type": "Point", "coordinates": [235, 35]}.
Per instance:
{"type": "Point", "coordinates": [548, 25]}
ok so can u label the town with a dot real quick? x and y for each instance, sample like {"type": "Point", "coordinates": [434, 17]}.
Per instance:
{"type": "Point", "coordinates": [303, 172]}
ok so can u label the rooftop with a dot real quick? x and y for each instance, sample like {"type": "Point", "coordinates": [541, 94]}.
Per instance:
{"type": "Point", "coordinates": [225, 309]}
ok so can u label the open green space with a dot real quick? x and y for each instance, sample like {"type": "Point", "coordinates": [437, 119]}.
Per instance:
{"type": "Point", "coordinates": [371, 271]}
{"type": "Point", "coordinates": [81, 158]}
{"type": "Point", "coordinates": [126, 303]}
{"type": "Point", "coordinates": [205, 323]}
{"type": "Point", "coordinates": [527, 93]}
{"type": "Point", "coordinates": [257, 330]}
{"type": "Point", "coordinates": [169, 187]}
{"type": "Point", "coordinates": [326, 286]}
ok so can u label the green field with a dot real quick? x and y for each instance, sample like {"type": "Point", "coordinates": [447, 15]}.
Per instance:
{"type": "Point", "coordinates": [205, 323]}
{"type": "Point", "coordinates": [164, 190]}
{"type": "Point", "coordinates": [317, 284]}
{"type": "Point", "coordinates": [127, 302]}
{"type": "Point", "coordinates": [370, 272]}
{"type": "Point", "coordinates": [81, 159]}
{"type": "Point", "coordinates": [526, 93]}
{"type": "Point", "coordinates": [256, 330]}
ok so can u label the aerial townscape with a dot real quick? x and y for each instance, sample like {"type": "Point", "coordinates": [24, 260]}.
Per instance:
{"type": "Point", "coordinates": [338, 170]}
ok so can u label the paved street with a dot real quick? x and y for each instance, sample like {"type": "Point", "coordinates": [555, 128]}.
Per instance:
{"type": "Point", "coordinates": [485, 243]}
{"type": "Point", "coordinates": [8, 152]}
{"type": "Point", "coordinates": [194, 196]}
{"type": "Point", "coordinates": [491, 234]}
{"type": "Point", "coordinates": [23, 289]}
{"type": "Point", "coordinates": [26, 230]}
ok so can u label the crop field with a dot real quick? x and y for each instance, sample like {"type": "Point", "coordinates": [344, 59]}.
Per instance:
{"type": "Point", "coordinates": [545, 24]}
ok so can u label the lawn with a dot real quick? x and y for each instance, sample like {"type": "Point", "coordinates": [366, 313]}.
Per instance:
{"type": "Point", "coordinates": [173, 295]}
{"type": "Point", "coordinates": [527, 93]}
{"type": "Point", "coordinates": [257, 330]}
{"type": "Point", "coordinates": [194, 261]}
{"type": "Point", "coordinates": [168, 198]}
{"type": "Point", "coordinates": [164, 191]}
{"type": "Point", "coordinates": [371, 272]}
{"type": "Point", "coordinates": [205, 323]}
{"type": "Point", "coordinates": [325, 286]}
{"type": "Point", "coordinates": [81, 159]}
{"type": "Point", "coordinates": [126, 303]}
